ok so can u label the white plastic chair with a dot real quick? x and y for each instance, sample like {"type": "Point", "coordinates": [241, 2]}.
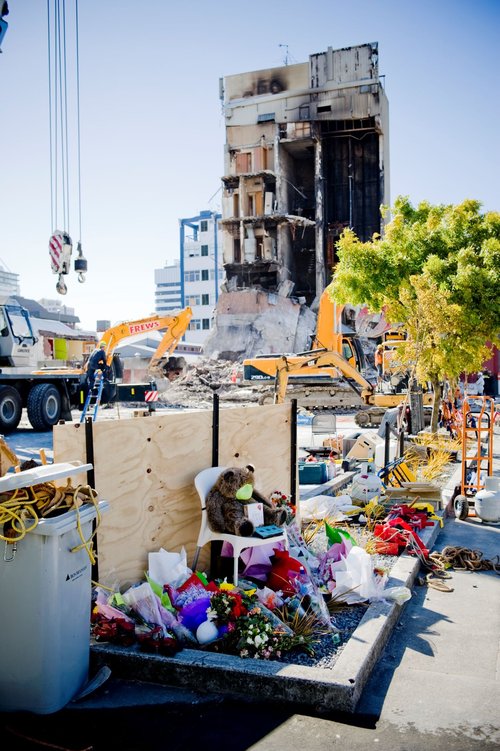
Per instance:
{"type": "Point", "coordinates": [324, 424]}
{"type": "Point", "coordinates": [203, 482]}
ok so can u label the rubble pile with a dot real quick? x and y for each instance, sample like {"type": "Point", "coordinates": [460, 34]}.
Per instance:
{"type": "Point", "coordinates": [204, 378]}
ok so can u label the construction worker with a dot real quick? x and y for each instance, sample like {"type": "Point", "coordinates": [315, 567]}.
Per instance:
{"type": "Point", "coordinates": [96, 361]}
{"type": "Point", "coordinates": [379, 363]}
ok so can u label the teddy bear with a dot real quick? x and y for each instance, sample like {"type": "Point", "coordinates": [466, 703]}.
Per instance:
{"type": "Point", "coordinates": [225, 503]}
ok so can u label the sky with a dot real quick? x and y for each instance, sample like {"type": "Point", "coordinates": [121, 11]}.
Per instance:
{"type": "Point", "coordinates": [152, 126]}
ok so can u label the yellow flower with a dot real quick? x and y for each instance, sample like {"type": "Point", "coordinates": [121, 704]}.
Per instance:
{"type": "Point", "coordinates": [226, 586]}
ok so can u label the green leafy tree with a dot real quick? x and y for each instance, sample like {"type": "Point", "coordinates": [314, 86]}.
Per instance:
{"type": "Point", "coordinates": [436, 271]}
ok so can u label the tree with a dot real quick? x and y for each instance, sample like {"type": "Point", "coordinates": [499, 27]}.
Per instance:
{"type": "Point", "coordinates": [436, 271]}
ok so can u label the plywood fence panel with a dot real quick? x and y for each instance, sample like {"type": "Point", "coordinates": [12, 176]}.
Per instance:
{"type": "Point", "coordinates": [145, 468]}
{"type": "Point", "coordinates": [260, 436]}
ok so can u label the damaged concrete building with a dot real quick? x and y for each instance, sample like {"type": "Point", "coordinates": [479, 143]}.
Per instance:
{"type": "Point", "coordinates": [306, 155]}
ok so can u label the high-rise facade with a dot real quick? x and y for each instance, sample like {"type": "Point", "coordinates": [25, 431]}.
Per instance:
{"type": "Point", "coordinates": [306, 156]}
{"type": "Point", "coordinates": [194, 280]}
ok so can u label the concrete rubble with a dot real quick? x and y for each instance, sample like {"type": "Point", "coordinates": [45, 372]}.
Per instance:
{"type": "Point", "coordinates": [252, 321]}
{"type": "Point", "coordinates": [196, 388]}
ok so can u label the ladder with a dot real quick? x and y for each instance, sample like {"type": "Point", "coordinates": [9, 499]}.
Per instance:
{"type": "Point", "coordinates": [93, 398]}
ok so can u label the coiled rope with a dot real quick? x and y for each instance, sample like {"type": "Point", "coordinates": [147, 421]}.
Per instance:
{"type": "Point", "coordinates": [464, 559]}
{"type": "Point", "coordinates": [21, 510]}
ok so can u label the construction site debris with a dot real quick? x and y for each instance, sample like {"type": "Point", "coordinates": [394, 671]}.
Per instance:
{"type": "Point", "coordinates": [202, 380]}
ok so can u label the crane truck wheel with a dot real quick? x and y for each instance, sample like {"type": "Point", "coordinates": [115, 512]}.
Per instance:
{"type": "Point", "coordinates": [44, 406]}
{"type": "Point", "coordinates": [11, 408]}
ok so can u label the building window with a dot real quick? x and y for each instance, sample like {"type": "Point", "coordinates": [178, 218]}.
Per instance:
{"type": "Point", "coordinates": [204, 226]}
{"type": "Point", "coordinates": [204, 250]}
{"type": "Point", "coordinates": [195, 324]}
{"type": "Point", "coordinates": [205, 299]}
{"type": "Point", "coordinates": [204, 275]}
{"type": "Point", "coordinates": [206, 323]}
{"type": "Point", "coordinates": [193, 300]}
{"type": "Point", "coordinates": [192, 276]}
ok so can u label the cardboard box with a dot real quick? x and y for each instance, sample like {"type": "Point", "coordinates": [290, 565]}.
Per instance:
{"type": "Point", "coordinates": [255, 513]}
{"type": "Point", "coordinates": [335, 444]}
{"type": "Point", "coordinates": [365, 446]}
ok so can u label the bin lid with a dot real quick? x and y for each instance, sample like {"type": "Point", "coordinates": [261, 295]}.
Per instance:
{"type": "Point", "coordinates": [44, 473]}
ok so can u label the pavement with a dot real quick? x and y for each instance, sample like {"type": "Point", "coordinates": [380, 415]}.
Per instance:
{"type": "Point", "coordinates": [432, 681]}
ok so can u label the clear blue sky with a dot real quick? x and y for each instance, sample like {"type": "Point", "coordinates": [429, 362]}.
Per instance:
{"type": "Point", "coordinates": [152, 130]}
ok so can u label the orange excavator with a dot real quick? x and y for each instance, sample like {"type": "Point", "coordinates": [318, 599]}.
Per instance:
{"type": "Point", "coordinates": [333, 374]}
{"type": "Point", "coordinates": [163, 362]}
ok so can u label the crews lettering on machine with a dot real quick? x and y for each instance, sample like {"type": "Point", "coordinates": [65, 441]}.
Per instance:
{"type": "Point", "coordinates": [97, 361]}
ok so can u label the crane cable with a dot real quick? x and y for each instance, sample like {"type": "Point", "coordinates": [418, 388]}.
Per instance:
{"type": "Point", "coordinates": [59, 147]}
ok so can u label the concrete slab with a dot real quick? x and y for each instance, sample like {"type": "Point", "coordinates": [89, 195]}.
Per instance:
{"type": "Point", "coordinates": [441, 667]}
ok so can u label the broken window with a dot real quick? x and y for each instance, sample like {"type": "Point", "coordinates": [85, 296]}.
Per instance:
{"type": "Point", "coordinates": [237, 250]}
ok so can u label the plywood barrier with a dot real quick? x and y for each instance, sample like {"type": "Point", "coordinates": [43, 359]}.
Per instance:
{"type": "Point", "coordinates": [145, 467]}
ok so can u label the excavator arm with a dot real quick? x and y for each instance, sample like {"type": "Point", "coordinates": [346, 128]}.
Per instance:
{"type": "Point", "coordinates": [299, 366]}
{"type": "Point", "coordinates": [175, 326]}
{"type": "Point", "coordinates": [287, 366]}
{"type": "Point", "coordinates": [175, 331]}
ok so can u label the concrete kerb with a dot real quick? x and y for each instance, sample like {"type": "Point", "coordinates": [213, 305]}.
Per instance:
{"type": "Point", "coordinates": [321, 689]}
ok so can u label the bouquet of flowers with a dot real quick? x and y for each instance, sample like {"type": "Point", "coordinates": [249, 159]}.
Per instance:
{"type": "Point", "coordinates": [226, 607]}
{"type": "Point", "coordinates": [281, 500]}
{"type": "Point", "coordinates": [256, 636]}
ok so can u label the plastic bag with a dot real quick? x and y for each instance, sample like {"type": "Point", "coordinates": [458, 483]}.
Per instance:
{"type": "Point", "coordinates": [354, 578]}
{"type": "Point", "coordinates": [396, 594]}
{"type": "Point", "coordinates": [145, 603]}
{"type": "Point", "coordinates": [257, 560]}
{"type": "Point", "coordinates": [319, 507]}
{"type": "Point", "coordinates": [168, 568]}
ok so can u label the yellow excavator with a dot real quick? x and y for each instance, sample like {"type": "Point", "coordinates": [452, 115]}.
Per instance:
{"type": "Point", "coordinates": [287, 366]}
{"type": "Point", "coordinates": [332, 374]}
{"type": "Point", "coordinates": [373, 403]}
{"type": "Point", "coordinates": [163, 362]}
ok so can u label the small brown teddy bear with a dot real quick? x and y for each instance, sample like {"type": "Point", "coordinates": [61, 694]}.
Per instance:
{"type": "Point", "coordinates": [226, 499]}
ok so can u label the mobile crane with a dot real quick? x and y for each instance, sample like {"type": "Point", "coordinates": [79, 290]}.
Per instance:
{"type": "Point", "coordinates": [49, 394]}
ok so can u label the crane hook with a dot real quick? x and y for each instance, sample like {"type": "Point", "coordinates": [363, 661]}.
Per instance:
{"type": "Point", "coordinates": [80, 263]}
{"type": "Point", "coordinates": [60, 286]}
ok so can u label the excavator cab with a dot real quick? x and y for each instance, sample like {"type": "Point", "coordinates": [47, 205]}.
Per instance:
{"type": "Point", "coordinates": [353, 353]}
